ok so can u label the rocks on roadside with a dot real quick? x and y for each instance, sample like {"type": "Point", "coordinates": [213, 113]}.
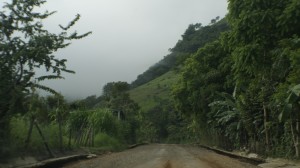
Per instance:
{"type": "Point", "coordinates": [252, 155]}
{"type": "Point", "coordinates": [276, 163]}
{"type": "Point", "coordinates": [90, 156]}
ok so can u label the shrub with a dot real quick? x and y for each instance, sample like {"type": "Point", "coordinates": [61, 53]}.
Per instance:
{"type": "Point", "coordinates": [106, 142]}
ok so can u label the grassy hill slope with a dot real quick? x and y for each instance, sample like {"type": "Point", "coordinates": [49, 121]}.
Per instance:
{"type": "Point", "coordinates": [152, 93]}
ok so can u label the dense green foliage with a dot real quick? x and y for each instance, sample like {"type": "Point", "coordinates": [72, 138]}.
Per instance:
{"type": "Point", "coordinates": [158, 113]}
{"type": "Point", "coordinates": [238, 85]}
{"type": "Point", "coordinates": [240, 90]}
{"type": "Point", "coordinates": [159, 121]}
{"type": "Point", "coordinates": [52, 125]}
{"type": "Point", "coordinates": [24, 46]}
{"type": "Point", "coordinates": [195, 36]}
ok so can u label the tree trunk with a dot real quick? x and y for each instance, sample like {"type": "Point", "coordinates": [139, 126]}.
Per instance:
{"type": "Point", "coordinates": [44, 140]}
{"type": "Point", "coordinates": [297, 145]}
{"type": "Point", "coordinates": [4, 136]}
{"type": "Point", "coordinates": [70, 136]}
{"type": "Point", "coordinates": [60, 131]}
{"type": "Point", "coordinates": [93, 138]}
{"type": "Point", "coordinates": [88, 136]}
{"type": "Point", "coordinates": [4, 119]}
{"type": "Point", "coordinates": [266, 127]}
{"type": "Point", "coordinates": [29, 132]}
{"type": "Point", "coordinates": [81, 134]}
{"type": "Point", "coordinates": [296, 131]}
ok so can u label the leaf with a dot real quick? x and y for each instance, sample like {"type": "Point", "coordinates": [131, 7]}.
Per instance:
{"type": "Point", "coordinates": [72, 23]}
{"type": "Point", "coordinates": [45, 88]}
{"type": "Point", "coordinates": [49, 77]}
{"type": "Point", "coordinates": [292, 98]}
{"type": "Point", "coordinates": [68, 71]}
{"type": "Point", "coordinates": [294, 94]}
{"type": "Point", "coordinates": [296, 90]}
{"type": "Point", "coordinates": [285, 112]}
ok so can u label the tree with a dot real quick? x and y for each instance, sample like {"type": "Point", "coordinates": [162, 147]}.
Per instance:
{"type": "Point", "coordinates": [113, 89]}
{"type": "Point", "coordinates": [36, 107]}
{"type": "Point", "coordinates": [58, 112]}
{"type": "Point", "coordinates": [203, 74]}
{"type": "Point", "coordinates": [91, 101]}
{"type": "Point", "coordinates": [26, 45]}
{"type": "Point", "coordinates": [291, 112]}
{"type": "Point", "coordinates": [288, 92]}
{"type": "Point", "coordinates": [226, 119]}
{"type": "Point", "coordinates": [261, 63]}
{"type": "Point", "coordinates": [116, 98]}
{"type": "Point", "coordinates": [254, 38]}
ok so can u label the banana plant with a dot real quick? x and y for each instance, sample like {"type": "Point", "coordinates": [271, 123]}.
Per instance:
{"type": "Point", "coordinates": [292, 101]}
{"type": "Point", "coordinates": [225, 116]}
{"type": "Point", "coordinates": [291, 110]}
{"type": "Point", "coordinates": [290, 113]}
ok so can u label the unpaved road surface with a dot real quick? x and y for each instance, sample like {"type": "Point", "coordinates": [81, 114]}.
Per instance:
{"type": "Point", "coordinates": [162, 156]}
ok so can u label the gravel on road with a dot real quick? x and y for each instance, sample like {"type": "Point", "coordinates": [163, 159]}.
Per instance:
{"type": "Point", "coordinates": [162, 156]}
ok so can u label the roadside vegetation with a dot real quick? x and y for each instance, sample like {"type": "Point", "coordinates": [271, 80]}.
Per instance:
{"type": "Point", "coordinates": [233, 84]}
{"type": "Point", "coordinates": [241, 89]}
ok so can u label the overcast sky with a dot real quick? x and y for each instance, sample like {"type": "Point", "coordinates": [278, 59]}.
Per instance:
{"type": "Point", "coordinates": [128, 37]}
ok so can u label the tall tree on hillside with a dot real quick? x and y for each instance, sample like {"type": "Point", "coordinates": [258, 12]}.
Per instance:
{"type": "Point", "coordinates": [258, 28]}
{"type": "Point", "coordinates": [24, 46]}
{"type": "Point", "coordinates": [254, 37]}
{"type": "Point", "coordinates": [113, 89]}
{"type": "Point", "coordinates": [116, 98]}
{"type": "Point", "coordinates": [205, 73]}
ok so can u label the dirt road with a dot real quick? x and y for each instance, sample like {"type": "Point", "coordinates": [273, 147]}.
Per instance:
{"type": "Point", "coordinates": [162, 156]}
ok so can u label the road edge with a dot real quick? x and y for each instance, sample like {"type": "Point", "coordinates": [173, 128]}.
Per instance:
{"type": "Point", "coordinates": [137, 145]}
{"type": "Point", "coordinates": [254, 161]}
{"type": "Point", "coordinates": [53, 162]}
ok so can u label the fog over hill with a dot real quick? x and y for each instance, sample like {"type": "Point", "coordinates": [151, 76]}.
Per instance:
{"type": "Point", "coordinates": [128, 37]}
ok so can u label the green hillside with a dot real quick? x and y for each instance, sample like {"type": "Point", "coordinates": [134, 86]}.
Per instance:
{"type": "Point", "coordinates": [152, 87]}
{"type": "Point", "coordinates": [195, 37]}
{"type": "Point", "coordinates": [150, 94]}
